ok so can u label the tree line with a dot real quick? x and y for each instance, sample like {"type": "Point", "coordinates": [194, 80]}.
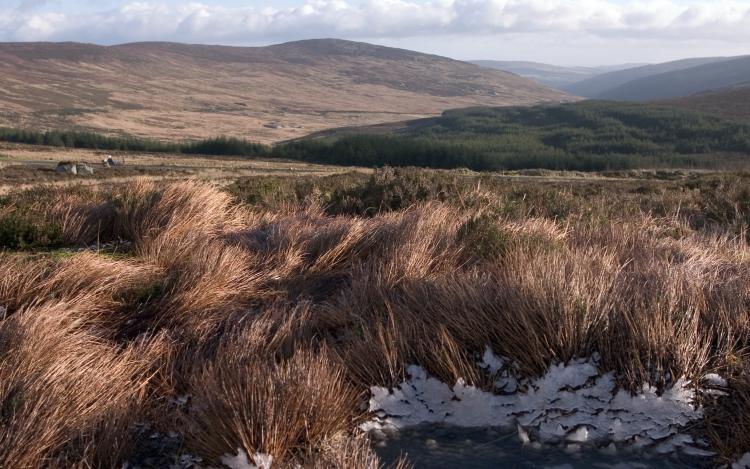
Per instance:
{"type": "Point", "coordinates": [585, 136]}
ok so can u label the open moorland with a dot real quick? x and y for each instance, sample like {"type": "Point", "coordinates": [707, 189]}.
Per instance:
{"type": "Point", "coordinates": [386, 275]}
{"type": "Point", "coordinates": [26, 166]}
{"type": "Point", "coordinates": [179, 91]}
{"type": "Point", "coordinates": [586, 136]}
{"type": "Point", "coordinates": [180, 324]}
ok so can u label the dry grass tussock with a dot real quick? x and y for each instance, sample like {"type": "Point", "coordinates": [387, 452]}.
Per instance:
{"type": "Point", "coordinates": [730, 415]}
{"type": "Point", "coordinates": [277, 322]}
{"type": "Point", "coordinates": [68, 398]}
{"type": "Point", "coordinates": [100, 287]}
{"type": "Point", "coordinates": [145, 209]}
{"type": "Point", "coordinates": [285, 409]}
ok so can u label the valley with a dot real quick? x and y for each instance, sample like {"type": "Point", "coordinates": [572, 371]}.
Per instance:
{"type": "Point", "coordinates": [330, 254]}
{"type": "Point", "coordinates": [185, 92]}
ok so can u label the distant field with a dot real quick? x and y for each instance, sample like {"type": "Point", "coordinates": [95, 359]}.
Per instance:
{"type": "Point", "coordinates": [32, 165]}
{"type": "Point", "coordinates": [584, 136]}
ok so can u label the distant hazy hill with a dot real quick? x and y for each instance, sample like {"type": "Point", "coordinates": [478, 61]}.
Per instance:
{"type": "Point", "coordinates": [601, 86]}
{"type": "Point", "coordinates": [179, 91]}
{"type": "Point", "coordinates": [685, 82]}
{"type": "Point", "coordinates": [732, 103]}
{"type": "Point", "coordinates": [551, 75]}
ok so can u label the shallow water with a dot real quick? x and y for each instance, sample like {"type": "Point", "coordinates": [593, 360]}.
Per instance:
{"type": "Point", "coordinates": [437, 446]}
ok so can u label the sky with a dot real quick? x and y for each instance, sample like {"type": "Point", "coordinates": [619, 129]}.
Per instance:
{"type": "Point", "coordinates": [563, 32]}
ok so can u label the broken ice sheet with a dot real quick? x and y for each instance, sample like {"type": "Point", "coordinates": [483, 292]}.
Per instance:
{"type": "Point", "coordinates": [573, 402]}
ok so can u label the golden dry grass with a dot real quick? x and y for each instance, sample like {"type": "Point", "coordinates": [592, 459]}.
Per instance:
{"type": "Point", "coordinates": [277, 322]}
{"type": "Point", "coordinates": [68, 397]}
{"type": "Point", "coordinates": [28, 166]}
{"type": "Point", "coordinates": [282, 409]}
{"type": "Point", "coordinates": [267, 94]}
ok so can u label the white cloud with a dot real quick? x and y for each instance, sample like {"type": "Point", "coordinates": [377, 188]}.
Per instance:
{"type": "Point", "coordinates": [387, 20]}
{"type": "Point", "coordinates": [31, 4]}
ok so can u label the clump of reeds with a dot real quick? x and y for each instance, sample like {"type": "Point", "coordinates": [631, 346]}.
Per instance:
{"type": "Point", "coordinates": [143, 210]}
{"type": "Point", "coordinates": [276, 323]}
{"type": "Point", "coordinates": [728, 419]}
{"type": "Point", "coordinates": [103, 285]}
{"type": "Point", "coordinates": [285, 409]}
{"type": "Point", "coordinates": [67, 397]}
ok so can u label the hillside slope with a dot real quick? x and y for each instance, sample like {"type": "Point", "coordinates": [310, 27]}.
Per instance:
{"type": "Point", "coordinates": [730, 103]}
{"type": "Point", "coordinates": [598, 86]}
{"type": "Point", "coordinates": [686, 82]}
{"type": "Point", "coordinates": [178, 91]}
{"type": "Point", "coordinates": [583, 136]}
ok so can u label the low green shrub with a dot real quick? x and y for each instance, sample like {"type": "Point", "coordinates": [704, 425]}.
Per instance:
{"type": "Point", "coordinates": [21, 232]}
{"type": "Point", "coordinates": [484, 239]}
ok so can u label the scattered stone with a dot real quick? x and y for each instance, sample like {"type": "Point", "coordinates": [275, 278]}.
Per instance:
{"type": "Point", "coordinates": [74, 169]}
{"type": "Point", "coordinates": [580, 435]}
{"type": "Point", "coordinates": [83, 169]}
{"type": "Point", "coordinates": [67, 167]}
{"type": "Point", "coordinates": [714, 379]}
{"type": "Point", "coordinates": [241, 461]}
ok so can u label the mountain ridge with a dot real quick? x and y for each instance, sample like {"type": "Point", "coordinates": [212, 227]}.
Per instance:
{"type": "Point", "coordinates": [598, 86]}
{"type": "Point", "coordinates": [680, 83]}
{"type": "Point", "coordinates": [176, 91]}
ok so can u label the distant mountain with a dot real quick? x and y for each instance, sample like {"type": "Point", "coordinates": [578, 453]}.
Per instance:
{"type": "Point", "coordinates": [550, 75]}
{"type": "Point", "coordinates": [712, 76]}
{"type": "Point", "coordinates": [180, 91]}
{"type": "Point", "coordinates": [731, 103]}
{"type": "Point", "coordinates": [599, 86]}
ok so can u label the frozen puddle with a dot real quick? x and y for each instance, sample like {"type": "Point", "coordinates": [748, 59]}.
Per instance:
{"type": "Point", "coordinates": [572, 407]}
{"type": "Point", "coordinates": [440, 446]}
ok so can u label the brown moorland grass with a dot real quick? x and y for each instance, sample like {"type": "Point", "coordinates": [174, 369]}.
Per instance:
{"type": "Point", "coordinates": [68, 398]}
{"type": "Point", "coordinates": [280, 409]}
{"type": "Point", "coordinates": [276, 320]}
